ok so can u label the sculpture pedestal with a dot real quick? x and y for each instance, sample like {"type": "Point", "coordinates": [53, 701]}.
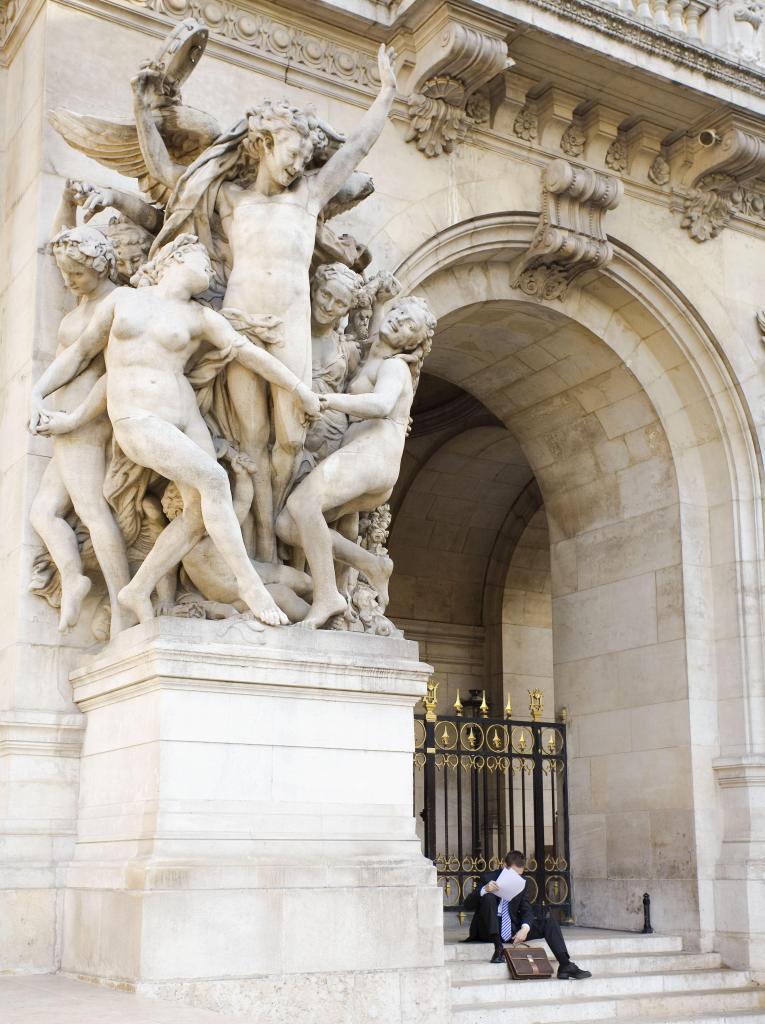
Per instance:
{"type": "Point", "coordinates": [245, 838]}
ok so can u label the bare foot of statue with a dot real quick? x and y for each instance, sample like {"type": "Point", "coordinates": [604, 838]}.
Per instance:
{"type": "Point", "coordinates": [379, 578]}
{"type": "Point", "coordinates": [137, 602]}
{"type": "Point", "coordinates": [72, 596]}
{"type": "Point", "coordinates": [263, 606]}
{"type": "Point", "coordinates": [322, 611]}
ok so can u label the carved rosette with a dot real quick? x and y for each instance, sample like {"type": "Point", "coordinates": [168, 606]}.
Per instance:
{"type": "Point", "coordinates": [659, 171]}
{"type": "Point", "coordinates": [526, 124]}
{"type": "Point", "coordinates": [453, 65]}
{"type": "Point", "coordinates": [570, 237]}
{"type": "Point", "coordinates": [573, 140]}
{"type": "Point", "coordinates": [616, 157]}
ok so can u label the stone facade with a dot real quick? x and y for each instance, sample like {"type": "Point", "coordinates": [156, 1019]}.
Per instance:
{"type": "Point", "coordinates": [583, 212]}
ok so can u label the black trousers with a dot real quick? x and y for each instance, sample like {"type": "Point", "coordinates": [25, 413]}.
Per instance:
{"type": "Point", "coordinates": [548, 929]}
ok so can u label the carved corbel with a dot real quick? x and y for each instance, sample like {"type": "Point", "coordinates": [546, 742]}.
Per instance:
{"type": "Point", "coordinates": [604, 146]}
{"type": "Point", "coordinates": [456, 56]}
{"type": "Point", "coordinates": [724, 175]}
{"type": "Point", "coordinates": [570, 237]}
{"type": "Point", "coordinates": [555, 112]}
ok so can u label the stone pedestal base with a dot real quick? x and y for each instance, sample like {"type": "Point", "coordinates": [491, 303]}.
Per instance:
{"type": "Point", "coordinates": [245, 838]}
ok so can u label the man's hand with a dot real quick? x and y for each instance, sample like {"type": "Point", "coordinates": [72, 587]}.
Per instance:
{"type": "Point", "coordinates": [491, 887]}
{"type": "Point", "coordinates": [521, 935]}
{"type": "Point", "coordinates": [36, 411]}
{"type": "Point", "coordinates": [385, 58]}
{"type": "Point", "coordinates": [95, 200]}
{"type": "Point", "coordinates": [387, 287]}
{"type": "Point", "coordinates": [147, 84]}
{"type": "Point", "coordinates": [242, 464]}
{"type": "Point", "coordinates": [52, 423]}
{"type": "Point", "coordinates": [309, 401]}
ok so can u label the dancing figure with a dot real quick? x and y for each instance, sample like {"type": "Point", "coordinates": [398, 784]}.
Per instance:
{"type": "Point", "coordinates": [361, 474]}
{"type": "Point", "coordinates": [74, 477]}
{"type": "Point", "coordinates": [148, 335]}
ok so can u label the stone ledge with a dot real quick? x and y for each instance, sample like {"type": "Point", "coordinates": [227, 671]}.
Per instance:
{"type": "Point", "coordinates": [173, 653]}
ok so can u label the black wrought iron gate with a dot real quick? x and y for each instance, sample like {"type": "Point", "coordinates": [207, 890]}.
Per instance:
{"type": "Point", "coordinates": [483, 786]}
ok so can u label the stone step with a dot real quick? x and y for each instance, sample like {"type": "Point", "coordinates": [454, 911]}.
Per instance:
{"type": "Point", "coordinates": [579, 947]}
{"type": "Point", "coordinates": [575, 1008]}
{"type": "Point", "coordinates": [734, 1017]}
{"type": "Point", "coordinates": [655, 963]}
{"type": "Point", "coordinates": [620, 986]}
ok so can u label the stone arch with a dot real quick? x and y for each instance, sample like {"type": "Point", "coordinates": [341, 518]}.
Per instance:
{"type": "Point", "coordinates": [670, 376]}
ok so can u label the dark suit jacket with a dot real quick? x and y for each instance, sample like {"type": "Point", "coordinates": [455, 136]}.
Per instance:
{"type": "Point", "coordinates": [521, 911]}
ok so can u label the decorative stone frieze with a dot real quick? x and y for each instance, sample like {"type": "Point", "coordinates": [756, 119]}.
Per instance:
{"type": "Point", "coordinates": [454, 60]}
{"type": "Point", "coordinates": [726, 176]}
{"type": "Point", "coordinates": [10, 15]}
{"type": "Point", "coordinates": [570, 237]}
{"type": "Point", "coordinates": [686, 51]}
{"type": "Point", "coordinates": [278, 40]}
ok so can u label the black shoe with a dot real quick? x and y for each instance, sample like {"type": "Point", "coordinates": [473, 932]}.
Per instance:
{"type": "Point", "coordinates": [570, 972]}
{"type": "Point", "coordinates": [499, 956]}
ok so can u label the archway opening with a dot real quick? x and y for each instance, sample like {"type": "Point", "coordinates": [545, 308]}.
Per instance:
{"type": "Point", "coordinates": [540, 506]}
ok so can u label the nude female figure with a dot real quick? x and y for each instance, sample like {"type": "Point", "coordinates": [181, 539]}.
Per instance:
{"type": "Point", "coordinates": [148, 335]}
{"type": "Point", "coordinates": [270, 226]}
{"type": "Point", "coordinates": [361, 474]}
{"type": "Point", "coordinates": [74, 477]}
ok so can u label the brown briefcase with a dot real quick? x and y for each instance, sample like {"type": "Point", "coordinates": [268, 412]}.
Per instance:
{"type": "Point", "coordinates": [524, 961]}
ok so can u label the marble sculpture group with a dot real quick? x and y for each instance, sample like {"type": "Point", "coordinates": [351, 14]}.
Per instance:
{"type": "Point", "coordinates": [231, 393]}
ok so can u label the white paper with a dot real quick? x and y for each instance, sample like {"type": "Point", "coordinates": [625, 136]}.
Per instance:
{"type": "Point", "coordinates": [510, 884]}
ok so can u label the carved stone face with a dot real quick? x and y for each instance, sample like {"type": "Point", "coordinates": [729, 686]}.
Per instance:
{"type": "Point", "coordinates": [404, 327]}
{"type": "Point", "coordinates": [79, 278]}
{"type": "Point", "coordinates": [285, 155]}
{"type": "Point", "coordinates": [130, 256]}
{"type": "Point", "coordinates": [330, 301]}
{"type": "Point", "coordinates": [192, 271]}
{"type": "Point", "coordinates": [362, 320]}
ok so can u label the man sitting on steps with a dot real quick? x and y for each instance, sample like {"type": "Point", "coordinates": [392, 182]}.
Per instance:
{"type": "Point", "coordinates": [497, 920]}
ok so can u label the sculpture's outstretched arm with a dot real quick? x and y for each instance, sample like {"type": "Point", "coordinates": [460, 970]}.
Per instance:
{"type": "Point", "coordinates": [93, 199]}
{"type": "Point", "coordinates": [159, 163]}
{"type": "Point", "coordinates": [73, 360]}
{"type": "Point", "coordinates": [333, 175]}
{"type": "Point", "coordinates": [386, 287]}
{"type": "Point", "coordinates": [376, 404]}
{"type": "Point", "coordinates": [66, 214]}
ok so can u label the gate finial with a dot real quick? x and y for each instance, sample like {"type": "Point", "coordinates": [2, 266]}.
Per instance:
{"type": "Point", "coordinates": [430, 700]}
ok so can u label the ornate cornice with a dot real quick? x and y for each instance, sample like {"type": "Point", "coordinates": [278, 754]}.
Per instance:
{"type": "Point", "coordinates": [9, 12]}
{"type": "Point", "coordinates": [12, 14]}
{"type": "Point", "coordinates": [649, 39]}
{"type": "Point", "coordinates": [288, 43]}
